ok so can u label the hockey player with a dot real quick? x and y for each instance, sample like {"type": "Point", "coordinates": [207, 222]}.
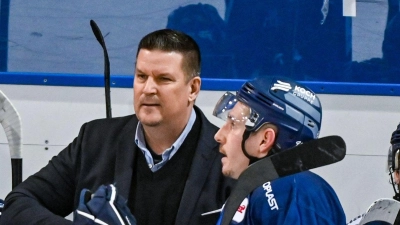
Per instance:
{"type": "Point", "coordinates": [385, 211]}
{"type": "Point", "coordinates": [266, 116]}
{"type": "Point", "coordinates": [393, 161]}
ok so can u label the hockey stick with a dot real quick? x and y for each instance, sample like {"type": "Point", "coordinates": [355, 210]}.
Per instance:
{"type": "Point", "coordinates": [11, 122]}
{"type": "Point", "coordinates": [312, 154]}
{"type": "Point", "coordinates": [100, 39]}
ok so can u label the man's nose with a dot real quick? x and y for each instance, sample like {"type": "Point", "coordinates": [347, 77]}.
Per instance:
{"type": "Point", "coordinates": [219, 136]}
{"type": "Point", "coordinates": [150, 86]}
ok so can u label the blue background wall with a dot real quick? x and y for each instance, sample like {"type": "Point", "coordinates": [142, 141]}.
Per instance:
{"type": "Point", "coordinates": [239, 39]}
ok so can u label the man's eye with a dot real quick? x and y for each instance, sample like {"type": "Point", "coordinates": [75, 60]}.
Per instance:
{"type": "Point", "coordinates": [141, 76]}
{"type": "Point", "coordinates": [165, 79]}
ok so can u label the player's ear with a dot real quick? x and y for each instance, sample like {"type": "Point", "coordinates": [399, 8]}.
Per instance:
{"type": "Point", "coordinates": [267, 141]}
{"type": "Point", "coordinates": [194, 88]}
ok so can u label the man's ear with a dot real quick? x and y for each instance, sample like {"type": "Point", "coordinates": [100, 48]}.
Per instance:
{"type": "Point", "coordinates": [267, 136]}
{"type": "Point", "coordinates": [194, 88]}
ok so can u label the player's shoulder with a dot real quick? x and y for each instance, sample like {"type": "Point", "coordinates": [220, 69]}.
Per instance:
{"type": "Point", "coordinates": [305, 176]}
{"type": "Point", "coordinates": [308, 176]}
{"type": "Point", "coordinates": [303, 180]}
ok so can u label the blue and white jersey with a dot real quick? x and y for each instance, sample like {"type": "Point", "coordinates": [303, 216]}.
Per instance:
{"type": "Point", "coordinates": [300, 199]}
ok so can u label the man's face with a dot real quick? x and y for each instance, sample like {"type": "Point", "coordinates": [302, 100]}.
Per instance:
{"type": "Point", "coordinates": [230, 137]}
{"type": "Point", "coordinates": [161, 93]}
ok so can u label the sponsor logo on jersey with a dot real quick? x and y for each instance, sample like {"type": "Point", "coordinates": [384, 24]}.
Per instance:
{"type": "Point", "coordinates": [241, 212]}
{"type": "Point", "coordinates": [271, 198]}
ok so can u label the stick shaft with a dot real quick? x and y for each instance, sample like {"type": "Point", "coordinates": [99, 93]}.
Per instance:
{"type": "Point", "coordinates": [99, 36]}
{"type": "Point", "coordinates": [16, 170]}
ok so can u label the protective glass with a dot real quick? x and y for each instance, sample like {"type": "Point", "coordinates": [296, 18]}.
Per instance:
{"type": "Point", "coordinates": [224, 106]}
{"type": "Point", "coordinates": [390, 160]}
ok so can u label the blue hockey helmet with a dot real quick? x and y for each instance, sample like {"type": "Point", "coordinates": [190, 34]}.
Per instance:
{"type": "Point", "coordinates": [293, 108]}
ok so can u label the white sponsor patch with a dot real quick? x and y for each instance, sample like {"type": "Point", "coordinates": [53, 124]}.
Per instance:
{"type": "Point", "coordinates": [241, 212]}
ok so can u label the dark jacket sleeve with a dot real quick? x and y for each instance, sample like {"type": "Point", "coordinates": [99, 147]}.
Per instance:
{"type": "Point", "coordinates": [47, 196]}
{"type": "Point", "coordinates": [53, 193]}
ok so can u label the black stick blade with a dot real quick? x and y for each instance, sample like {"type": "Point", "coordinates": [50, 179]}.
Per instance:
{"type": "Point", "coordinates": [310, 155]}
{"type": "Point", "coordinates": [97, 33]}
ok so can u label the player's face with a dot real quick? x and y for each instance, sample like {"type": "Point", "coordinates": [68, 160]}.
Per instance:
{"type": "Point", "coordinates": [396, 177]}
{"type": "Point", "coordinates": [161, 91]}
{"type": "Point", "coordinates": [230, 137]}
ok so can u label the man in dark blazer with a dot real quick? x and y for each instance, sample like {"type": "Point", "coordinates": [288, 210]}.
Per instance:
{"type": "Point", "coordinates": [163, 159]}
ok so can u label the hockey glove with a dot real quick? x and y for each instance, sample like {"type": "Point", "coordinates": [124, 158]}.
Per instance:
{"type": "Point", "coordinates": [1, 206]}
{"type": "Point", "coordinates": [105, 206]}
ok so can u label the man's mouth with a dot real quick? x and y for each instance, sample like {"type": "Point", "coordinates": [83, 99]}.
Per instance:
{"type": "Point", "coordinates": [150, 104]}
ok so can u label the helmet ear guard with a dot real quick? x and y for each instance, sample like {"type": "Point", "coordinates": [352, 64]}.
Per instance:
{"type": "Point", "coordinates": [393, 158]}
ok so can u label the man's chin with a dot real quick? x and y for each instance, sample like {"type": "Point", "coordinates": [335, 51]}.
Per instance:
{"type": "Point", "coordinates": [150, 123]}
{"type": "Point", "coordinates": [149, 119]}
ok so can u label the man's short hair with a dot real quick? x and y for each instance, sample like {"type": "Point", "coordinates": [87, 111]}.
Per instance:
{"type": "Point", "coordinates": [169, 40]}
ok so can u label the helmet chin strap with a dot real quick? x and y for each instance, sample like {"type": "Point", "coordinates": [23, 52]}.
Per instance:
{"type": "Point", "coordinates": [246, 135]}
{"type": "Point", "coordinates": [396, 197]}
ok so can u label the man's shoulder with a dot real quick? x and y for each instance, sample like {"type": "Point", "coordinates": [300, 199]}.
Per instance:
{"type": "Point", "coordinates": [116, 121]}
{"type": "Point", "coordinates": [114, 125]}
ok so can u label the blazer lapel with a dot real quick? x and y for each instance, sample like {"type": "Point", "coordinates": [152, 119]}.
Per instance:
{"type": "Point", "coordinates": [202, 163]}
{"type": "Point", "coordinates": [125, 158]}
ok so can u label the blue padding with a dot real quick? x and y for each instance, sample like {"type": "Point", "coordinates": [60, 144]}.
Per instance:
{"type": "Point", "coordinates": [4, 18]}
{"type": "Point", "coordinates": [210, 84]}
{"type": "Point", "coordinates": [354, 88]}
